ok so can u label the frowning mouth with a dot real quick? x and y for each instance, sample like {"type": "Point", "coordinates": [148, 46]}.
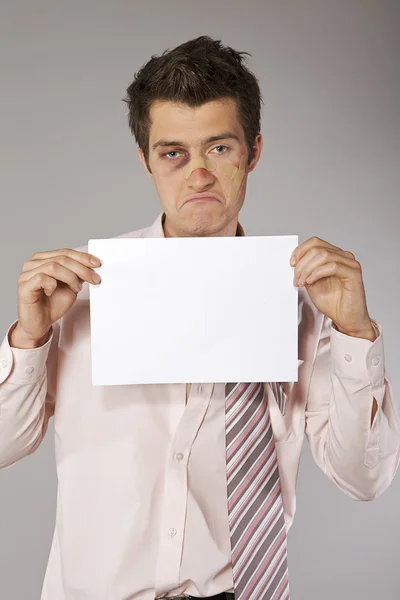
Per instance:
{"type": "Point", "coordinates": [204, 197]}
{"type": "Point", "coordinates": [203, 200]}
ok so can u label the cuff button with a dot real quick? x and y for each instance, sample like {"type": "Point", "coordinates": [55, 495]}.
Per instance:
{"type": "Point", "coordinates": [29, 369]}
{"type": "Point", "coordinates": [348, 357]}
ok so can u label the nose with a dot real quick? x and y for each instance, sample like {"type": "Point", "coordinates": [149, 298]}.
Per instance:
{"type": "Point", "coordinates": [200, 179]}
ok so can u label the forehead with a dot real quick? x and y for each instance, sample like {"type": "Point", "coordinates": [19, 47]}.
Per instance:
{"type": "Point", "coordinates": [170, 120]}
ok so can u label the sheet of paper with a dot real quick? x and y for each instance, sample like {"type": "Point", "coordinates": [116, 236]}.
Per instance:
{"type": "Point", "coordinates": [194, 310]}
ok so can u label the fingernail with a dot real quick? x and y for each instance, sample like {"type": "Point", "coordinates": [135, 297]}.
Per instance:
{"type": "Point", "coordinates": [95, 261]}
{"type": "Point", "coordinates": [293, 261]}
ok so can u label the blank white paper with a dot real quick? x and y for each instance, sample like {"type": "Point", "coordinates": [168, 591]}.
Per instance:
{"type": "Point", "coordinates": [194, 310]}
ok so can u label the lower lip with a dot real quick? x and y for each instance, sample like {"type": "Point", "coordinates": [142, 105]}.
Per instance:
{"type": "Point", "coordinates": [208, 199]}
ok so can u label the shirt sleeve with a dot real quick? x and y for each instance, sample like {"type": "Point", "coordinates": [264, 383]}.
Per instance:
{"type": "Point", "coordinates": [26, 401]}
{"type": "Point", "coordinates": [348, 373]}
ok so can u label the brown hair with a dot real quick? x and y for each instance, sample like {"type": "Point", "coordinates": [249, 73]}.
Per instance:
{"type": "Point", "coordinates": [196, 72]}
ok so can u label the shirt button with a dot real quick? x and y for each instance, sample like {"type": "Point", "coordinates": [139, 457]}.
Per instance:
{"type": "Point", "coordinates": [179, 456]}
{"type": "Point", "coordinates": [375, 360]}
{"type": "Point", "coordinates": [4, 363]}
{"type": "Point", "coordinates": [172, 531]}
{"type": "Point", "coordinates": [29, 369]}
{"type": "Point", "coordinates": [348, 357]}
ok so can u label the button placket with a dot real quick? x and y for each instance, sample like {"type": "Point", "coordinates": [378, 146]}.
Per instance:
{"type": "Point", "coordinates": [174, 501]}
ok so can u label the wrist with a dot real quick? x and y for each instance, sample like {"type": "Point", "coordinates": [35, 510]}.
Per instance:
{"type": "Point", "coordinates": [368, 333]}
{"type": "Point", "coordinates": [19, 339]}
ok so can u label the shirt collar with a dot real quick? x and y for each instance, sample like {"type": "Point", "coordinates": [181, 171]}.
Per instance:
{"type": "Point", "coordinates": [156, 229]}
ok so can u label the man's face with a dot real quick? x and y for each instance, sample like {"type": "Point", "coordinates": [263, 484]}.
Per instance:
{"type": "Point", "coordinates": [179, 134]}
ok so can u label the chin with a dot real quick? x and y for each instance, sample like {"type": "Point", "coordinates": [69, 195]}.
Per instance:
{"type": "Point", "coordinates": [201, 225]}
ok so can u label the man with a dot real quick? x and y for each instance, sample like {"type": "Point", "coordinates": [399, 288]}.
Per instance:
{"type": "Point", "coordinates": [143, 507]}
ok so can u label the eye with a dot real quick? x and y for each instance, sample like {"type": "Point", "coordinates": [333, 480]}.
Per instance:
{"type": "Point", "coordinates": [220, 146]}
{"type": "Point", "coordinates": [171, 152]}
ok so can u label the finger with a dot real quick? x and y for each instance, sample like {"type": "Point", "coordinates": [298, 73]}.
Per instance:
{"type": "Point", "coordinates": [57, 272]}
{"type": "Point", "coordinates": [38, 282]}
{"type": "Point", "coordinates": [318, 256]}
{"type": "Point", "coordinates": [83, 272]}
{"type": "Point", "coordinates": [340, 270]}
{"type": "Point", "coordinates": [304, 247]}
{"type": "Point", "coordinates": [82, 257]}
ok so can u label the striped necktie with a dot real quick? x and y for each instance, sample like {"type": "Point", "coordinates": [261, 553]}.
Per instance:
{"type": "Point", "coordinates": [255, 509]}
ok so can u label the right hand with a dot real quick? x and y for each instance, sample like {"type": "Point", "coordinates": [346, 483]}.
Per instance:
{"type": "Point", "coordinates": [47, 288]}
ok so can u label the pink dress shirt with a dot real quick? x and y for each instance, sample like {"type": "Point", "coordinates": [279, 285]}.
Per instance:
{"type": "Point", "coordinates": [141, 499]}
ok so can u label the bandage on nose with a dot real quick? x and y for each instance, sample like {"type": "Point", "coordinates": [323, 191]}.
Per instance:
{"type": "Point", "coordinates": [198, 163]}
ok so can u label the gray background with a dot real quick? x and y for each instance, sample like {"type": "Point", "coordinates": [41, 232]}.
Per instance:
{"type": "Point", "coordinates": [330, 167]}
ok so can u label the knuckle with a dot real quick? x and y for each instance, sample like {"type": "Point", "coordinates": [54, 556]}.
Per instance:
{"type": "Point", "coordinates": [63, 259]}
{"type": "Point", "coordinates": [51, 266]}
{"type": "Point", "coordinates": [315, 251]}
{"type": "Point", "coordinates": [326, 253]}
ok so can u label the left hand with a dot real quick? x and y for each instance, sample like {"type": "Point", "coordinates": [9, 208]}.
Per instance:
{"type": "Point", "coordinates": [333, 280]}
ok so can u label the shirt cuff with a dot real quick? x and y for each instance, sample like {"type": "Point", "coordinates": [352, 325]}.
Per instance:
{"type": "Point", "coordinates": [359, 358]}
{"type": "Point", "coordinates": [22, 365]}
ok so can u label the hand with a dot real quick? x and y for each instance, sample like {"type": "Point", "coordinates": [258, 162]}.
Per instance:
{"type": "Point", "coordinates": [333, 280]}
{"type": "Point", "coordinates": [47, 288]}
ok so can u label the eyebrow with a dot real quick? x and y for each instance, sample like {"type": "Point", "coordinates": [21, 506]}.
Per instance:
{"type": "Point", "coordinates": [215, 138]}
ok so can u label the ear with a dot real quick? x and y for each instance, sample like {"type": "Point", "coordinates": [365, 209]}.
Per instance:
{"type": "Point", "coordinates": [257, 148]}
{"type": "Point", "coordinates": [143, 161]}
